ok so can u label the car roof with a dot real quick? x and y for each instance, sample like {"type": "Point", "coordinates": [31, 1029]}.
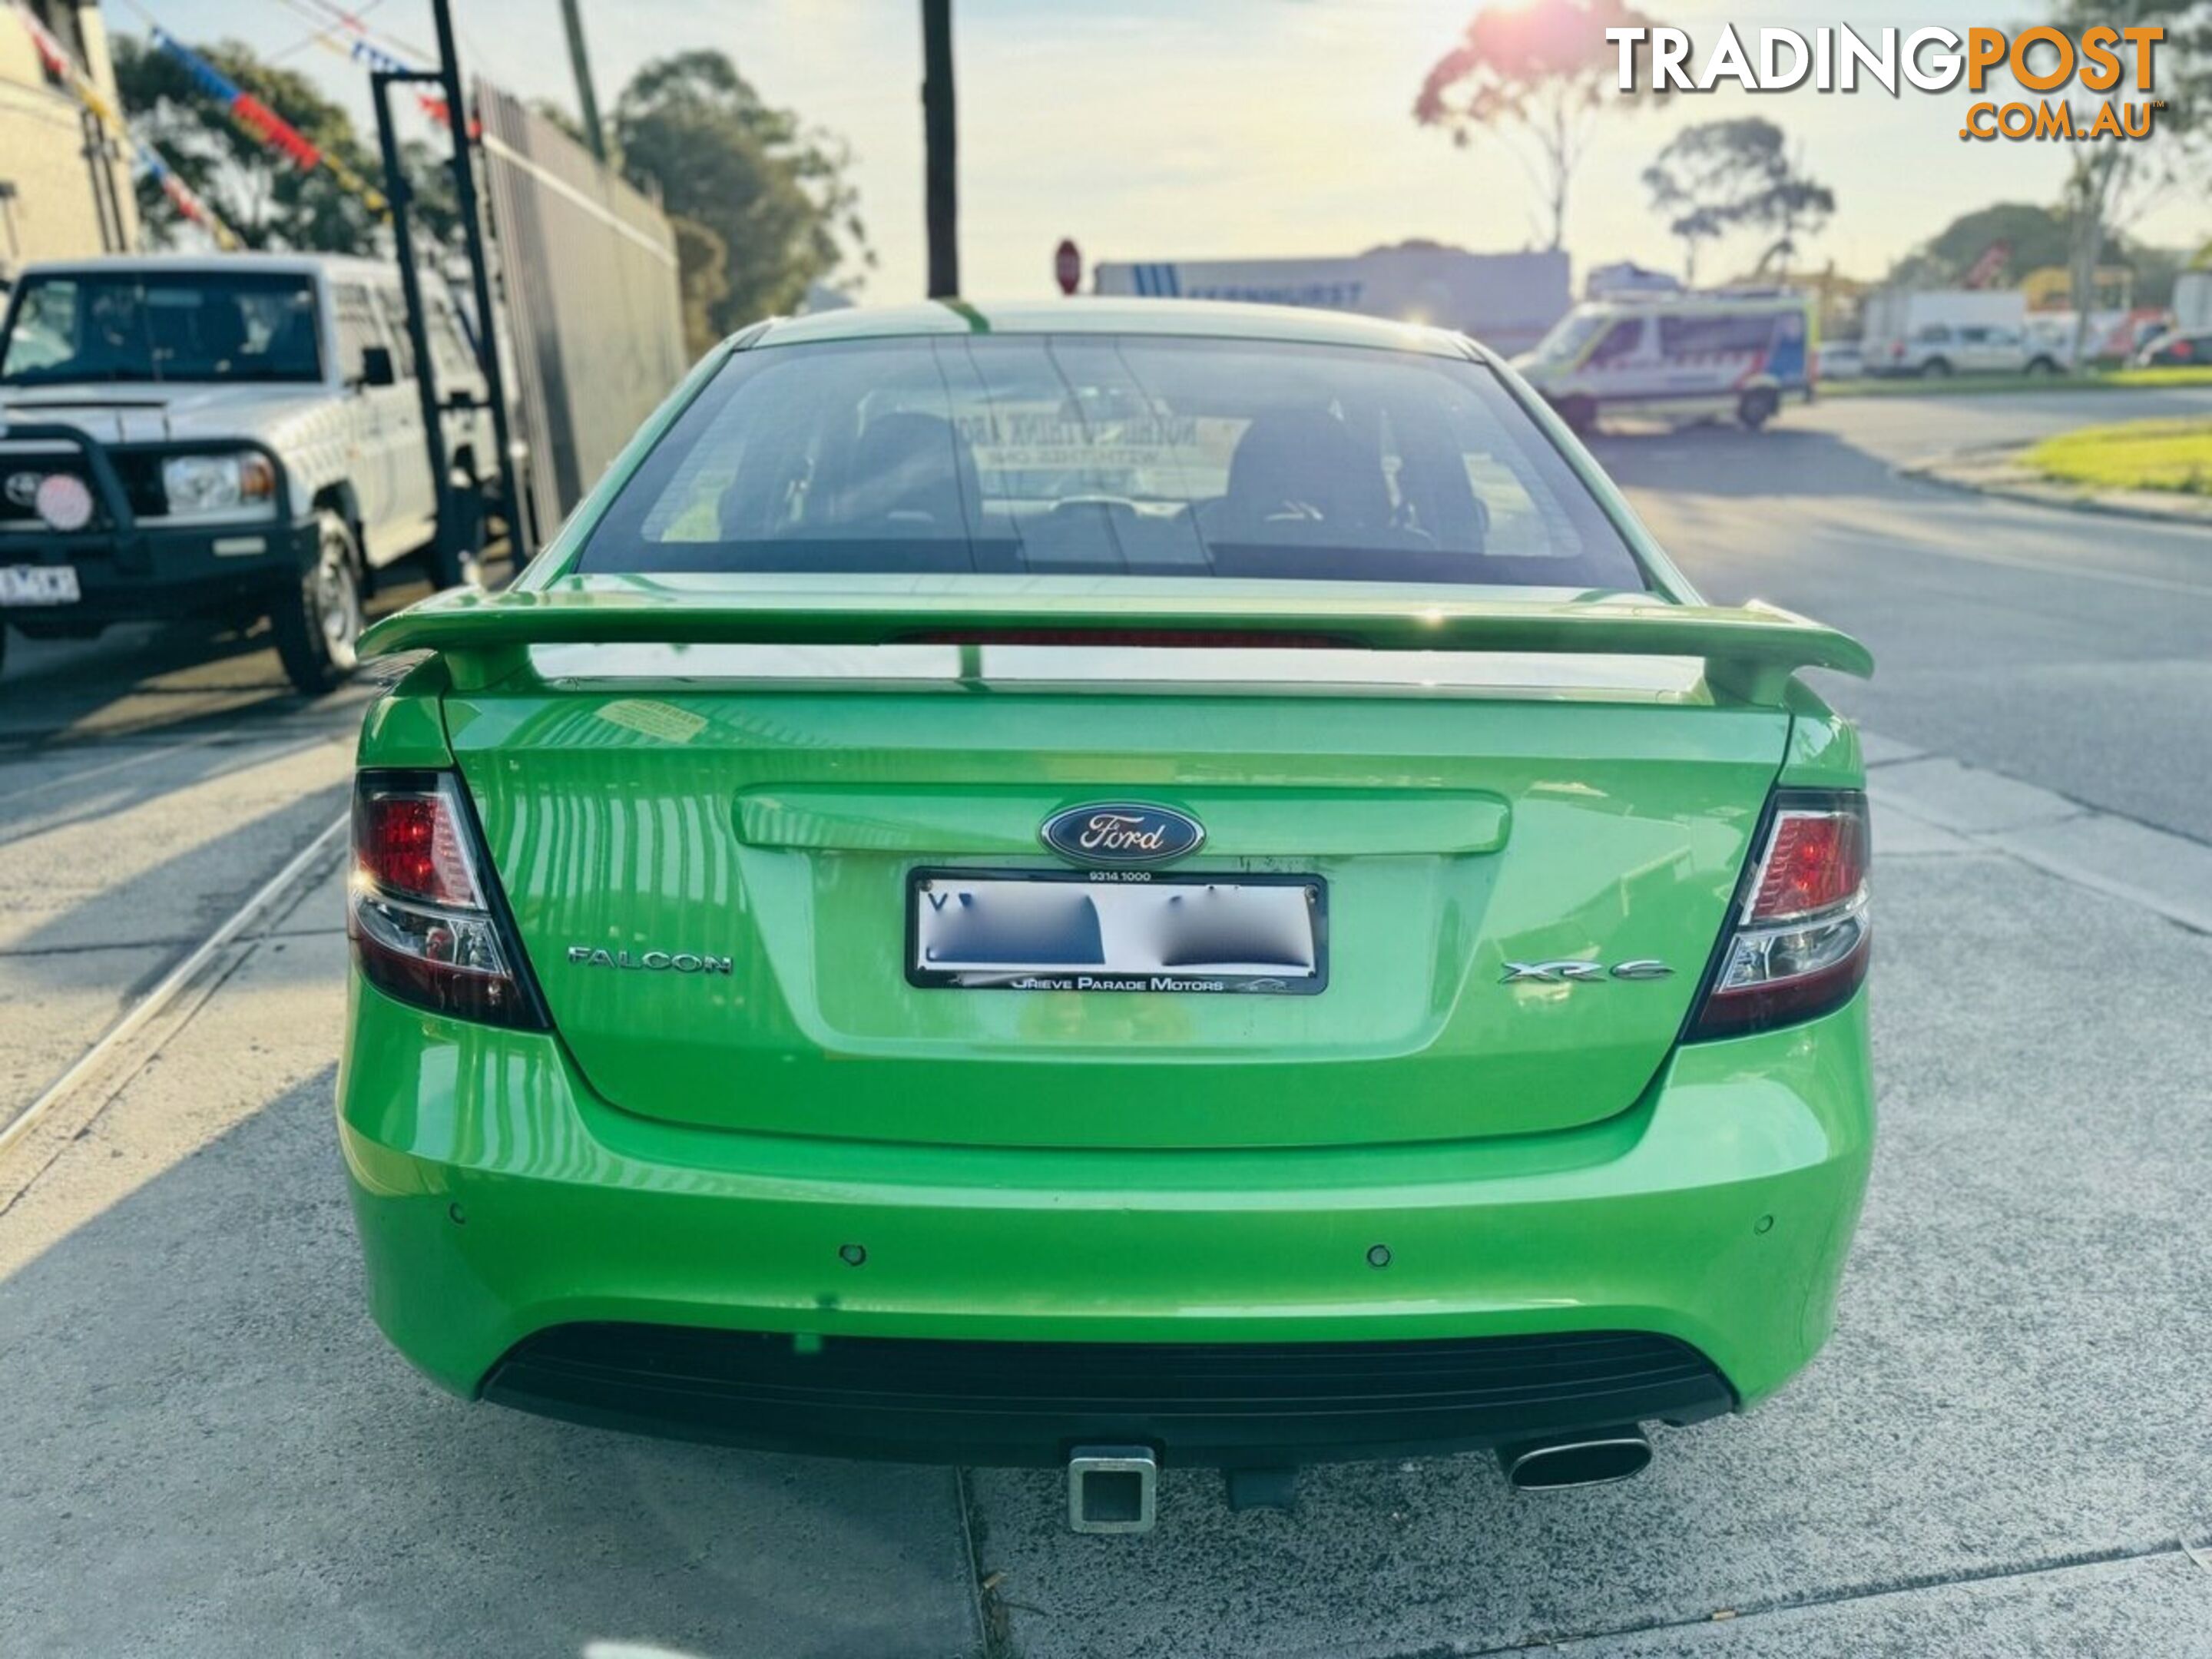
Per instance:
{"type": "Point", "coordinates": [1161, 319]}
{"type": "Point", "coordinates": [338, 264]}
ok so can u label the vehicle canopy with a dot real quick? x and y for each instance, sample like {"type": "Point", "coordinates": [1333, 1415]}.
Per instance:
{"type": "Point", "coordinates": [1893, 315]}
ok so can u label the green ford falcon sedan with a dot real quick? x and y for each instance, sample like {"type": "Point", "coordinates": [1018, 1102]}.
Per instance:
{"type": "Point", "coordinates": [1109, 885]}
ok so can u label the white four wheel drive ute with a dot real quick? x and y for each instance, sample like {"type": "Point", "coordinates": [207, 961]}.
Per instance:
{"type": "Point", "coordinates": [237, 436]}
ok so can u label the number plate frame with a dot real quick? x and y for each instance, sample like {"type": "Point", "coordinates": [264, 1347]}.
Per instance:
{"type": "Point", "coordinates": [39, 585]}
{"type": "Point", "coordinates": [1173, 981]}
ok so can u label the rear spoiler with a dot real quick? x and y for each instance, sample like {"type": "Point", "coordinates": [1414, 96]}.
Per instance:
{"type": "Point", "coordinates": [1750, 651]}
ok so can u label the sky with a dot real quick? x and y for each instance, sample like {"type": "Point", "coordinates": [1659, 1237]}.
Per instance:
{"type": "Point", "coordinates": [1218, 129]}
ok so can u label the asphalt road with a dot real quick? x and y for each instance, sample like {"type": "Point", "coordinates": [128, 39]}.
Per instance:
{"type": "Point", "coordinates": [2070, 649]}
{"type": "Point", "coordinates": [150, 780]}
{"type": "Point", "coordinates": [207, 1450]}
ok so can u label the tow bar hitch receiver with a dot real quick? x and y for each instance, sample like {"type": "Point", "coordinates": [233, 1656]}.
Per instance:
{"type": "Point", "coordinates": [1112, 1488]}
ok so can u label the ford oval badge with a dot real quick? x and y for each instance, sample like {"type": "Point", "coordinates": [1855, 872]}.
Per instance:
{"type": "Point", "coordinates": [1122, 832]}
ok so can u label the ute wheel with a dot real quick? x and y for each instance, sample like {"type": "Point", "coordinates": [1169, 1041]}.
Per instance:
{"type": "Point", "coordinates": [1757, 407]}
{"type": "Point", "coordinates": [2041, 366]}
{"type": "Point", "coordinates": [1579, 413]}
{"type": "Point", "coordinates": [317, 624]}
{"type": "Point", "coordinates": [1935, 369]}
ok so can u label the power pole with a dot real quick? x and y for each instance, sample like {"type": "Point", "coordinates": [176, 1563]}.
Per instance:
{"type": "Point", "coordinates": [942, 192]}
{"type": "Point", "coordinates": [579, 60]}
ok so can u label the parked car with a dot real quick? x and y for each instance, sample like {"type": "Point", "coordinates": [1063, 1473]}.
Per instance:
{"type": "Point", "coordinates": [1677, 355]}
{"type": "Point", "coordinates": [1936, 350]}
{"type": "Point", "coordinates": [1890, 319]}
{"type": "Point", "coordinates": [2176, 349]}
{"type": "Point", "coordinates": [239, 436]}
{"type": "Point", "coordinates": [1840, 360]}
{"type": "Point", "coordinates": [1106, 882]}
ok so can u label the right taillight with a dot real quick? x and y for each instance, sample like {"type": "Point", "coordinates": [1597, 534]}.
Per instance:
{"type": "Point", "coordinates": [1799, 937]}
{"type": "Point", "coordinates": [423, 921]}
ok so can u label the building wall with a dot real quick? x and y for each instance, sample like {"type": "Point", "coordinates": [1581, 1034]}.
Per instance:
{"type": "Point", "coordinates": [50, 206]}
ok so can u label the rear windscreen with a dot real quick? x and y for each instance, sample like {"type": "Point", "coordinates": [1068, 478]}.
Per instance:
{"type": "Point", "coordinates": [1097, 455]}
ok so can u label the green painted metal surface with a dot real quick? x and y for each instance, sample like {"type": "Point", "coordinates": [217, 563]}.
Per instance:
{"type": "Point", "coordinates": [1144, 1167]}
{"type": "Point", "coordinates": [1750, 651]}
{"type": "Point", "coordinates": [1094, 315]}
{"type": "Point", "coordinates": [497, 1195]}
{"type": "Point", "coordinates": [776, 826]}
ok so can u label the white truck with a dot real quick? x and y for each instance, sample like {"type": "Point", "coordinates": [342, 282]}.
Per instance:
{"type": "Point", "coordinates": [1507, 300]}
{"type": "Point", "coordinates": [1934, 332]}
{"type": "Point", "coordinates": [238, 436]}
{"type": "Point", "coordinates": [2192, 302]}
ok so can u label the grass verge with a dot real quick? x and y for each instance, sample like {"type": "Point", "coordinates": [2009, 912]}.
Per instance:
{"type": "Point", "coordinates": [2169, 455]}
{"type": "Point", "coordinates": [2110, 379]}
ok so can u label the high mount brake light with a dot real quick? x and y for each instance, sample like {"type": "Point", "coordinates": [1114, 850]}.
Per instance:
{"type": "Point", "coordinates": [1802, 933]}
{"type": "Point", "coordinates": [424, 925]}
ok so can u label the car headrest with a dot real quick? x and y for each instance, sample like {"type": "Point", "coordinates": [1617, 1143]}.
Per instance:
{"type": "Point", "coordinates": [1294, 459]}
{"type": "Point", "coordinates": [912, 462]}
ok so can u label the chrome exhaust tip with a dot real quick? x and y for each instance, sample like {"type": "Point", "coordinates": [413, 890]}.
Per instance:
{"type": "Point", "coordinates": [1593, 1459]}
{"type": "Point", "coordinates": [1112, 1488]}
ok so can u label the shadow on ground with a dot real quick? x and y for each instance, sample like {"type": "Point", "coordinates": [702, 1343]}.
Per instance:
{"type": "Point", "coordinates": [2016, 1388]}
{"type": "Point", "coordinates": [187, 678]}
{"type": "Point", "coordinates": [212, 1450]}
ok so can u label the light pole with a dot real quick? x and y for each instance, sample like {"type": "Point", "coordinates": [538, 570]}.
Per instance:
{"type": "Point", "coordinates": [587, 101]}
{"type": "Point", "coordinates": [942, 199]}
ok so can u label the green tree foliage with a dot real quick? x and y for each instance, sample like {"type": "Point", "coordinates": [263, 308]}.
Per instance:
{"type": "Point", "coordinates": [2039, 236]}
{"type": "Point", "coordinates": [1721, 176]}
{"type": "Point", "coordinates": [1538, 74]}
{"type": "Point", "coordinates": [434, 209]}
{"type": "Point", "coordinates": [267, 199]}
{"type": "Point", "coordinates": [2111, 184]}
{"type": "Point", "coordinates": [761, 203]}
{"type": "Point", "coordinates": [702, 260]}
{"type": "Point", "coordinates": [736, 171]}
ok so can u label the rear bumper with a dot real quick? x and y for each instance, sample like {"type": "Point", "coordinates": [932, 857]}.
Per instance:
{"type": "Point", "coordinates": [154, 572]}
{"type": "Point", "coordinates": [505, 1213]}
{"type": "Point", "coordinates": [1026, 1403]}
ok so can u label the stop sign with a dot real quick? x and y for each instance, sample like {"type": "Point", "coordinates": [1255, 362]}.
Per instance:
{"type": "Point", "coordinates": [1067, 265]}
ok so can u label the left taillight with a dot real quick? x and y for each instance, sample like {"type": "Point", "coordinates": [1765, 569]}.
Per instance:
{"type": "Point", "coordinates": [425, 920]}
{"type": "Point", "coordinates": [1801, 935]}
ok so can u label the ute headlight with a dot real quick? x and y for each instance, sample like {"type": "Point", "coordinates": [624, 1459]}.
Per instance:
{"type": "Point", "coordinates": [201, 485]}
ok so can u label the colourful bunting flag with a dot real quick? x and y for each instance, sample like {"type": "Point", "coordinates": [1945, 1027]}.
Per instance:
{"type": "Point", "coordinates": [62, 68]}
{"type": "Point", "coordinates": [379, 59]}
{"type": "Point", "coordinates": [265, 123]}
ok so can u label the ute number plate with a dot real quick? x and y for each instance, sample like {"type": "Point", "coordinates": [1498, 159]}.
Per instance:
{"type": "Point", "coordinates": [39, 584]}
{"type": "Point", "coordinates": [1117, 930]}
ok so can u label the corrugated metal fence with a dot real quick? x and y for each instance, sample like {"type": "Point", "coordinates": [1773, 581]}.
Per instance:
{"type": "Point", "coordinates": [593, 309]}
